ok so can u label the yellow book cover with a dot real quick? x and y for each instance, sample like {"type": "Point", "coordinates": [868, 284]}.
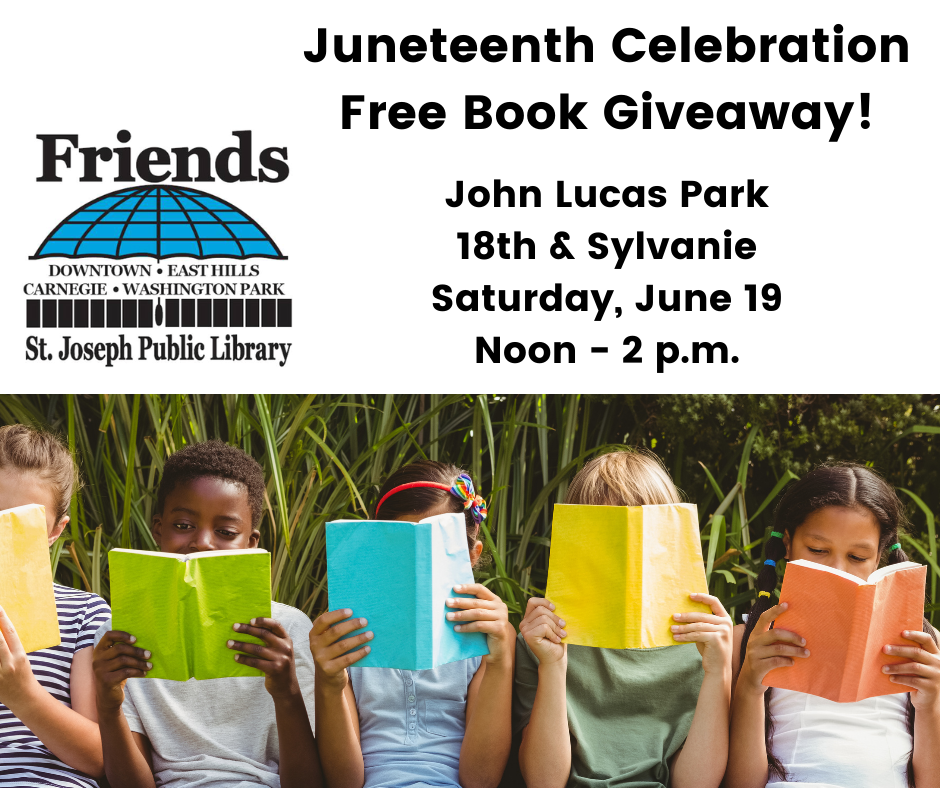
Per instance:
{"type": "Point", "coordinates": [617, 574]}
{"type": "Point", "coordinates": [26, 592]}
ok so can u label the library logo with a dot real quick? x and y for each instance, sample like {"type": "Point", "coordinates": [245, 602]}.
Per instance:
{"type": "Point", "coordinates": [196, 242]}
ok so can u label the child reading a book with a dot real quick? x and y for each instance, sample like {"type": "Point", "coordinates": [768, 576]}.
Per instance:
{"type": "Point", "coordinates": [848, 518]}
{"type": "Point", "coordinates": [48, 722]}
{"type": "Point", "coordinates": [602, 716]}
{"type": "Point", "coordinates": [236, 731]}
{"type": "Point", "coordinates": [447, 726]}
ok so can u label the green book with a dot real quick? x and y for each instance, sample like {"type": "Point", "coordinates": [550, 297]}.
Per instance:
{"type": "Point", "coordinates": [182, 607]}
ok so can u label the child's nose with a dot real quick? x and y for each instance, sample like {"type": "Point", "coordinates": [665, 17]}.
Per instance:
{"type": "Point", "coordinates": [203, 540]}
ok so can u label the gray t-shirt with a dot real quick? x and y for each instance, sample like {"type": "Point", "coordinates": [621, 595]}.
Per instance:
{"type": "Point", "coordinates": [217, 732]}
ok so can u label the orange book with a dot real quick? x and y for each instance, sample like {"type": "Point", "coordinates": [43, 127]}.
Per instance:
{"type": "Point", "coordinates": [846, 622]}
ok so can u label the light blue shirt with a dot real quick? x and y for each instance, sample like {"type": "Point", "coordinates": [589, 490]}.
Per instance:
{"type": "Point", "coordinates": [412, 723]}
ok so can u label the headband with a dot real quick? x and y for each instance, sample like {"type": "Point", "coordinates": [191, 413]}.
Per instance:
{"type": "Point", "coordinates": [462, 489]}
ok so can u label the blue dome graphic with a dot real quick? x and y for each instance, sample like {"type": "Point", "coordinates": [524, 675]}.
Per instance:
{"type": "Point", "coordinates": [158, 221]}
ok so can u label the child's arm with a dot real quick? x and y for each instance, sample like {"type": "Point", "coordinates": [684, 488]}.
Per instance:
{"type": "Point", "coordinates": [766, 649]}
{"type": "Point", "coordinates": [488, 737]}
{"type": "Point", "coordinates": [70, 734]}
{"type": "Point", "coordinates": [126, 754]}
{"type": "Point", "coordinates": [545, 751]}
{"type": "Point", "coordinates": [703, 757]}
{"type": "Point", "coordinates": [298, 762]}
{"type": "Point", "coordinates": [923, 677]}
{"type": "Point", "coordinates": [335, 709]}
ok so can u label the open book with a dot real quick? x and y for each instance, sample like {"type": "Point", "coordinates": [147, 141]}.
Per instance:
{"type": "Point", "coordinates": [26, 592]}
{"type": "Point", "coordinates": [182, 607]}
{"type": "Point", "coordinates": [846, 622]}
{"type": "Point", "coordinates": [398, 576]}
{"type": "Point", "coordinates": [617, 574]}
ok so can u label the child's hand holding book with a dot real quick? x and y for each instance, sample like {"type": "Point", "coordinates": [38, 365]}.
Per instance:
{"type": "Point", "coordinates": [17, 680]}
{"type": "Point", "coordinates": [332, 651]}
{"type": "Point", "coordinates": [543, 631]}
{"type": "Point", "coordinates": [487, 613]}
{"type": "Point", "coordinates": [275, 658]}
{"type": "Point", "coordinates": [114, 661]}
{"type": "Point", "coordinates": [922, 674]}
{"type": "Point", "coordinates": [711, 633]}
{"type": "Point", "coordinates": [768, 649]}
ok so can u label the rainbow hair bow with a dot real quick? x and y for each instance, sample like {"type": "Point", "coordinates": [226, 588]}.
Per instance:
{"type": "Point", "coordinates": [463, 489]}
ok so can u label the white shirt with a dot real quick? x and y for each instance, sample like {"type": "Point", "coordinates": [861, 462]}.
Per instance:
{"type": "Point", "coordinates": [218, 732]}
{"type": "Point", "coordinates": [823, 744]}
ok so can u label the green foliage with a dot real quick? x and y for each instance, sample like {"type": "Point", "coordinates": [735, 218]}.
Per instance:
{"type": "Point", "coordinates": [325, 457]}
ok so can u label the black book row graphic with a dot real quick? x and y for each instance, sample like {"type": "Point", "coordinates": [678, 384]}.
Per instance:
{"type": "Point", "coordinates": [143, 313]}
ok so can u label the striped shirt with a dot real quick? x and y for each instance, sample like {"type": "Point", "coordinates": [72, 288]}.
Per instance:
{"type": "Point", "coordinates": [24, 760]}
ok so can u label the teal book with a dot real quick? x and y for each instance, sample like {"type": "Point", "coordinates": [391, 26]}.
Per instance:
{"type": "Point", "coordinates": [182, 607]}
{"type": "Point", "coordinates": [398, 575]}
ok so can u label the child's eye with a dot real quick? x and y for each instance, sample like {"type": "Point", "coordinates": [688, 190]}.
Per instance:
{"type": "Point", "coordinates": [858, 559]}
{"type": "Point", "coordinates": [816, 551]}
{"type": "Point", "coordinates": [182, 526]}
{"type": "Point", "coordinates": [228, 534]}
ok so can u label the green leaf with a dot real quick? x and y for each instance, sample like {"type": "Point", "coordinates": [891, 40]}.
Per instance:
{"type": "Point", "coordinates": [787, 477]}
{"type": "Point", "coordinates": [711, 480]}
{"type": "Point", "coordinates": [746, 456]}
{"type": "Point", "coordinates": [718, 523]}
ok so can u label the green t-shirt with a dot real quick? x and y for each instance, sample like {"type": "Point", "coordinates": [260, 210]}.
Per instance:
{"type": "Point", "coordinates": [629, 710]}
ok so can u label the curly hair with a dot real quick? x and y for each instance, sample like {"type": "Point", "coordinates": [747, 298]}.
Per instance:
{"type": "Point", "coordinates": [217, 460]}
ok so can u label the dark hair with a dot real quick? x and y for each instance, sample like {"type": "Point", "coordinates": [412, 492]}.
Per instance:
{"type": "Point", "coordinates": [217, 460]}
{"type": "Point", "coordinates": [25, 450]}
{"type": "Point", "coordinates": [417, 500]}
{"type": "Point", "coordinates": [848, 485]}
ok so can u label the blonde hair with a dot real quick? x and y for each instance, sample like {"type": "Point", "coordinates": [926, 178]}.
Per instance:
{"type": "Point", "coordinates": [623, 478]}
{"type": "Point", "coordinates": [28, 451]}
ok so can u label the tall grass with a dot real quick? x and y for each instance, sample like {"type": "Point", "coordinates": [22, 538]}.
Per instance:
{"type": "Point", "coordinates": [325, 457]}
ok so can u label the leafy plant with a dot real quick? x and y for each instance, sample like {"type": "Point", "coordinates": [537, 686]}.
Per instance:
{"type": "Point", "coordinates": [325, 457]}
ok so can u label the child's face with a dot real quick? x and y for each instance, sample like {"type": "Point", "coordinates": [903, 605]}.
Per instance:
{"type": "Point", "coordinates": [845, 539]}
{"type": "Point", "coordinates": [205, 514]}
{"type": "Point", "coordinates": [21, 489]}
{"type": "Point", "coordinates": [475, 551]}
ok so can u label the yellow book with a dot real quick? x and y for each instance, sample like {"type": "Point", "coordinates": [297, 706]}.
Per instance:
{"type": "Point", "coordinates": [617, 574]}
{"type": "Point", "coordinates": [26, 592]}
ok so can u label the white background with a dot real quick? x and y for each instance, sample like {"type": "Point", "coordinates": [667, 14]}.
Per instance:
{"type": "Point", "coordinates": [849, 234]}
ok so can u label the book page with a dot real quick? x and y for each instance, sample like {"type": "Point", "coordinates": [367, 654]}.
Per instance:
{"type": "Point", "coordinates": [875, 576]}
{"type": "Point", "coordinates": [150, 553]}
{"type": "Point", "coordinates": [211, 553]}
{"type": "Point", "coordinates": [830, 569]}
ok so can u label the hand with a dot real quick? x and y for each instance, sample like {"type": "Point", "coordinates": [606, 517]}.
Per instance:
{"type": "Point", "coordinates": [114, 661]}
{"type": "Point", "coordinates": [16, 674]}
{"type": "Point", "coordinates": [275, 658]}
{"type": "Point", "coordinates": [329, 651]}
{"type": "Point", "coordinates": [485, 612]}
{"type": "Point", "coordinates": [542, 631]}
{"type": "Point", "coordinates": [768, 649]}
{"type": "Point", "coordinates": [923, 674]}
{"type": "Point", "coordinates": [711, 633]}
